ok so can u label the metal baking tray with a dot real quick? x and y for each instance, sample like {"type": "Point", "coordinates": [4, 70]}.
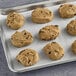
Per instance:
{"type": "Point", "coordinates": [64, 39]}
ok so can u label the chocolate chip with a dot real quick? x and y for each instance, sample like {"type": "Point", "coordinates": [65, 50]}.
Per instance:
{"type": "Point", "coordinates": [56, 51]}
{"type": "Point", "coordinates": [21, 42]}
{"type": "Point", "coordinates": [56, 25]}
{"type": "Point", "coordinates": [52, 35]}
{"type": "Point", "coordinates": [75, 14]}
{"type": "Point", "coordinates": [25, 33]}
{"type": "Point", "coordinates": [70, 5]}
{"type": "Point", "coordinates": [41, 31]}
{"type": "Point", "coordinates": [27, 37]}
{"type": "Point", "coordinates": [11, 38]}
{"type": "Point", "coordinates": [54, 42]}
{"type": "Point", "coordinates": [49, 12]}
{"type": "Point", "coordinates": [41, 11]}
{"type": "Point", "coordinates": [61, 5]}
{"type": "Point", "coordinates": [18, 60]}
{"type": "Point", "coordinates": [29, 61]}
{"type": "Point", "coordinates": [49, 53]}
{"type": "Point", "coordinates": [21, 52]}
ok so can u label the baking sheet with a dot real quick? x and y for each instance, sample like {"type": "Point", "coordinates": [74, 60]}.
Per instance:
{"type": "Point", "coordinates": [64, 39]}
{"type": "Point", "coordinates": [14, 3]}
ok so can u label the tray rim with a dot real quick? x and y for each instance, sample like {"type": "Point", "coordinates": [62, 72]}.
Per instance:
{"type": "Point", "coordinates": [4, 47]}
{"type": "Point", "coordinates": [24, 70]}
{"type": "Point", "coordinates": [23, 8]}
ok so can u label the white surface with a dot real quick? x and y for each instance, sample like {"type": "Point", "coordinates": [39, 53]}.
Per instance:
{"type": "Point", "coordinates": [64, 39]}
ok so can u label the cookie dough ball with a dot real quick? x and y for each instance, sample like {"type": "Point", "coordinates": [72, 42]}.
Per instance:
{"type": "Point", "coordinates": [49, 32]}
{"type": "Point", "coordinates": [74, 47]}
{"type": "Point", "coordinates": [42, 15]}
{"type": "Point", "coordinates": [15, 20]}
{"type": "Point", "coordinates": [54, 51]}
{"type": "Point", "coordinates": [71, 28]}
{"type": "Point", "coordinates": [67, 10]}
{"type": "Point", "coordinates": [28, 57]}
{"type": "Point", "coordinates": [20, 39]}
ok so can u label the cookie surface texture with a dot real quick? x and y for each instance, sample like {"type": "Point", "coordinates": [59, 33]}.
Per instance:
{"type": "Point", "coordinates": [28, 57]}
{"type": "Point", "coordinates": [54, 51]}
{"type": "Point", "coordinates": [20, 39]}
{"type": "Point", "coordinates": [67, 10]}
{"type": "Point", "coordinates": [71, 28]}
{"type": "Point", "coordinates": [49, 32]}
{"type": "Point", "coordinates": [15, 20]}
{"type": "Point", "coordinates": [74, 47]}
{"type": "Point", "coordinates": [42, 15]}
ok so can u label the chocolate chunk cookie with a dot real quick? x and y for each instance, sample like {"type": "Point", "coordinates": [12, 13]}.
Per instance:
{"type": "Point", "coordinates": [54, 51]}
{"type": "Point", "coordinates": [67, 10]}
{"type": "Point", "coordinates": [28, 57]}
{"type": "Point", "coordinates": [74, 47]}
{"type": "Point", "coordinates": [49, 32]}
{"type": "Point", "coordinates": [20, 39]}
{"type": "Point", "coordinates": [15, 20]}
{"type": "Point", "coordinates": [42, 15]}
{"type": "Point", "coordinates": [71, 28]}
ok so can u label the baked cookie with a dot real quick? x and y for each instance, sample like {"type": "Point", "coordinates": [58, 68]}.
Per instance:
{"type": "Point", "coordinates": [20, 39]}
{"type": "Point", "coordinates": [15, 20]}
{"type": "Point", "coordinates": [74, 47]}
{"type": "Point", "coordinates": [54, 51]}
{"type": "Point", "coordinates": [28, 57]}
{"type": "Point", "coordinates": [71, 28]}
{"type": "Point", "coordinates": [42, 15]}
{"type": "Point", "coordinates": [67, 10]}
{"type": "Point", "coordinates": [49, 32]}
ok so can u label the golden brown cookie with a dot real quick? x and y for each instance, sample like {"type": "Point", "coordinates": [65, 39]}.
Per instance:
{"type": "Point", "coordinates": [54, 51]}
{"type": "Point", "coordinates": [49, 32]}
{"type": "Point", "coordinates": [71, 28]}
{"type": "Point", "coordinates": [28, 57]}
{"type": "Point", "coordinates": [67, 10]}
{"type": "Point", "coordinates": [15, 20]}
{"type": "Point", "coordinates": [20, 39]}
{"type": "Point", "coordinates": [74, 47]}
{"type": "Point", "coordinates": [42, 15]}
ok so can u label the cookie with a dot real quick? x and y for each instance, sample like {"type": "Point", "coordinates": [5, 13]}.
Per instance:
{"type": "Point", "coordinates": [28, 57]}
{"type": "Point", "coordinates": [49, 32]}
{"type": "Point", "coordinates": [42, 15]}
{"type": "Point", "coordinates": [67, 10]}
{"type": "Point", "coordinates": [20, 39]}
{"type": "Point", "coordinates": [74, 47]}
{"type": "Point", "coordinates": [15, 20]}
{"type": "Point", "coordinates": [54, 51]}
{"type": "Point", "coordinates": [71, 28]}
